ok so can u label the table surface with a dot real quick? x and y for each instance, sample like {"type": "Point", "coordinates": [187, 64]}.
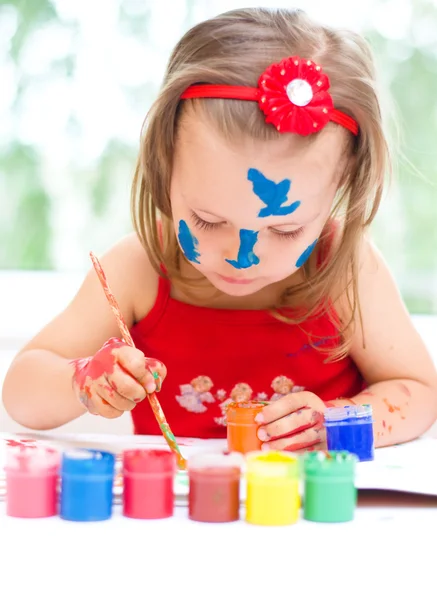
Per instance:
{"type": "Point", "coordinates": [388, 548]}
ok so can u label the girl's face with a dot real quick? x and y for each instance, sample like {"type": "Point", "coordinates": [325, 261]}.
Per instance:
{"type": "Point", "coordinates": [249, 215]}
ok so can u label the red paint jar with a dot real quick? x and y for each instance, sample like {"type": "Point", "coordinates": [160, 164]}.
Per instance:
{"type": "Point", "coordinates": [31, 481]}
{"type": "Point", "coordinates": [214, 495]}
{"type": "Point", "coordinates": [242, 428]}
{"type": "Point", "coordinates": [148, 483]}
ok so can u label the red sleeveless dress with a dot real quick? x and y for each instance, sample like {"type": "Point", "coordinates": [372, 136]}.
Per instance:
{"type": "Point", "coordinates": [216, 355]}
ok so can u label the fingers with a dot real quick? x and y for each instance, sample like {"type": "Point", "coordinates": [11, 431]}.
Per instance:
{"type": "Point", "coordinates": [158, 370]}
{"type": "Point", "coordinates": [105, 410]}
{"type": "Point", "coordinates": [116, 379]}
{"type": "Point", "coordinates": [121, 391]}
{"type": "Point", "coordinates": [132, 361]}
{"type": "Point", "coordinates": [147, 371]}
{"type": "Point", "coordinates": [123, 384]}
{"type": "Point", "coordinates": [96, 405]}
{"type": "Point", "coordinates": [284, 406]}
{"type": "Point", "coordinates": [313, 438]}
{"type": "Point", "coordinates": [298, 421]}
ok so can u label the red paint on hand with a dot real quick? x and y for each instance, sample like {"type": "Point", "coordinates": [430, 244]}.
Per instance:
{"type": "Point", "coordinates": [301, 446]}
{"type": "Point", "coordinates": [390, 407]}
{"type": "Point", "coordinates": [87, 370]}
{"type": "Point", "coordinates": [404, 389]}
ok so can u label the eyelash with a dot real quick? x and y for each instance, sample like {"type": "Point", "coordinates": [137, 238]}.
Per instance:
{"type": "Point", "coordinates": [206, 226]}
{"type": "Point", "coordinates": [203, 225]}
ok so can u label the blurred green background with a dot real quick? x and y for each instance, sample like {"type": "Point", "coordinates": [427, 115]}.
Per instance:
{"type": "Point", "coordinates": [78, 77]}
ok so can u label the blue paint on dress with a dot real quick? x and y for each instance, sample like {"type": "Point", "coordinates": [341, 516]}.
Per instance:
{"type": "Point", "coordinates": [305, 255]}
{"type": "Point", "coordinates": [272, 194]}
{"type": "Point", "coordinates": [246, 256]}
{"type": "Point", "coordinates": [188, 242]}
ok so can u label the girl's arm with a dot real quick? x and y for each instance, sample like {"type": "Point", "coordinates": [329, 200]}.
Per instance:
{"type": "Point", "coordinates": [38, 391]}
{"type": "Point", "coordinates": [392, 358]}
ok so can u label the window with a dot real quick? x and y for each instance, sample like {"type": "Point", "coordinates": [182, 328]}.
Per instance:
{"type": "Point", "coordinates": [78, 78]}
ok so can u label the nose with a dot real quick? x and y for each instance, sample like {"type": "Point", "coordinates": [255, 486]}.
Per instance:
{"type": "Point", "coordinates": [246, 256]}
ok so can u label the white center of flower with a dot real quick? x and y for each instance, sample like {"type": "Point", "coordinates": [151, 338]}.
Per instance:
{"type": "Point", "coordinates": [299, 92]}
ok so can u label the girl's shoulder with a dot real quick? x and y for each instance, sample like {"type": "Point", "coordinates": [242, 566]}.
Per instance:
{"type": "Point", "coordinates": [136, 279]}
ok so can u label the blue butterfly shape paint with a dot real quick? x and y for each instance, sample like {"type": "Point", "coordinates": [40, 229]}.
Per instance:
{"type": "Point", "coordinates": [272, 194]}
{"type": "Point", "coordinates": [188, 242]}
{"type": "Point", "coordinates": [246, 256]}
{"type": "Point", "coordinates": [305, 255]}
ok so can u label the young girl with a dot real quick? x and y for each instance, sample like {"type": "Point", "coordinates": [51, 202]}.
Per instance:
{"type": "Point", "coordinates": [249, 276]}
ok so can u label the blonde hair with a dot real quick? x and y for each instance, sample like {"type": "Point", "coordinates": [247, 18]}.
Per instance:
{"type": "Point", "coordinates": [235, 48]}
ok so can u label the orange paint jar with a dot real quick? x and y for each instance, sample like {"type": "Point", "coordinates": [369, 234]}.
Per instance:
{"type": "Point", "coordinates": [242, 428]}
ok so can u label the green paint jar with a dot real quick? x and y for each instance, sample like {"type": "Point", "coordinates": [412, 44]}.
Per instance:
{"type": "Point", "coordinates": [330, 495]}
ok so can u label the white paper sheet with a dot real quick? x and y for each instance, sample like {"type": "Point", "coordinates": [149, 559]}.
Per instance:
{"type": "Point", "coordinates": [409, 467]}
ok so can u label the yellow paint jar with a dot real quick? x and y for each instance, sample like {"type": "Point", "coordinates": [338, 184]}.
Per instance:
{"type": "Point", "coordinates": [272, 488]}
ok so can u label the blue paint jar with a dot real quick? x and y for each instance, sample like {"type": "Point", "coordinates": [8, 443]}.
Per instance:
{"type": "Point", "coordinates": [87, 478]}
{"type": "Point", "coordinates": [350, 428]}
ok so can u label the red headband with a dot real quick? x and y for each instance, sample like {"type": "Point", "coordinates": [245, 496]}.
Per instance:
{"type": "Point", "coordinates": [293, 94]}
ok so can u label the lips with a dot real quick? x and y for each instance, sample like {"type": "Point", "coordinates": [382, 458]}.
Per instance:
{"type": "Point", "coordinates": [236, 280]}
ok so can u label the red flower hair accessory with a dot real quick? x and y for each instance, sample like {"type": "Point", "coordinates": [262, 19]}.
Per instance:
{"type": "Point", "coordinates": [293, 95]}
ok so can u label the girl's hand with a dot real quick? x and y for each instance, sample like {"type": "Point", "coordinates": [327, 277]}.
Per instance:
{"type": "Point", "coordinates": [116, 378]}
{"type": "Point", "coordinates": [294, 422]}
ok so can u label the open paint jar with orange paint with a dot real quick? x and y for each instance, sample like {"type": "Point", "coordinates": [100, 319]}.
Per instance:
{"type": "Point", "coordinates": [241, 426]}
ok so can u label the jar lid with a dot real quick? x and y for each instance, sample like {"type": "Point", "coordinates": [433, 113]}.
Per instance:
{"type": "Point", "coordinates": [344, 413]}
{"type": "Point", "coordinates": [87, 463]}
{"type": "Point", "coordinates": [272, 464]}
{"type": "Point", "coordinates": [243, 412]}
{"type": "Point", "coordinates": [329, 463]}
{"type": "Point", "coordinates": [216, 460]}
{"type": "Point", "coordinates": [149, 460]}
{"type": "Point", "coordinates": [31, 458]}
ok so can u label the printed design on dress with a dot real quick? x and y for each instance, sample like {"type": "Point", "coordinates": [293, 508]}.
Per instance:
{"type": "Point", "coordinates": [242, 392]}
{"type": "Point", "coordinates": [282, 386]}
{"type": "Point", "coordinates": [196, 395]}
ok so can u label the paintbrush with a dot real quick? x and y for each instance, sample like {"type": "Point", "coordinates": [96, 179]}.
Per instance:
{"type": "Point", "coordinates": [153, 400]}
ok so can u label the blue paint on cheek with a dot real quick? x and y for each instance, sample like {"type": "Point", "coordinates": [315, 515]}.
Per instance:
{"type": "Point", "coordinates": [188, 242]}
{"type": "Point", "coordinates": [305, 255]}
{"type": "Point", "coordinates": [272, 194]}
{"type": "Point", "coordinates": [246, 256]}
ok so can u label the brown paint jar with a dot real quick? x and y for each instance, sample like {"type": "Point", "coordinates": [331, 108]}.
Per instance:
{"type": "Point", "coordinates": [214, 492]}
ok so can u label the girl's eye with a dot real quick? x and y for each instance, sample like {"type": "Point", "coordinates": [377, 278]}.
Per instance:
{"type": "Point", "coordinates": [288, 235]}
{"type": "Point", "coordinates": [204, 225]}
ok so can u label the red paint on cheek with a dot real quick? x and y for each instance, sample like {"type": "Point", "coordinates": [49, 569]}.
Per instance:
{"type": "Point", "coordinates": [366, 393]}
{"type": "Point", "coordinates": [384, 424]}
